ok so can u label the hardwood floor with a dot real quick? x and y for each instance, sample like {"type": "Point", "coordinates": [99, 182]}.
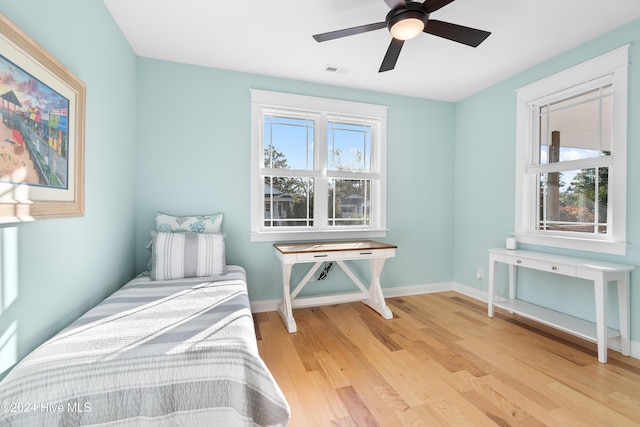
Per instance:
{"type": "Point", "coordinates": [442, 362]}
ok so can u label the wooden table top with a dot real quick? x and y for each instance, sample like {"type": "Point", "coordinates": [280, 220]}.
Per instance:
{"type": "Point", "coordinates": [310, 247]}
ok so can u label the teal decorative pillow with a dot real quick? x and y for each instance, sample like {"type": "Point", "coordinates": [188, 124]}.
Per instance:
{"type": "Point", "coordinates": [183, 255]}
{"type": "Point", "coordinates": [188, 224]}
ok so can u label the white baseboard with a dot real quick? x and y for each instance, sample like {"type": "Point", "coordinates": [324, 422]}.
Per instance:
{"type": "Point", "coordinates": [403, 291]}
{"type": "Point", "coordinates": [265, 305]}
{"type": "Point", "coordinates": [635, 349]}
{"type": "Point", "coordinates": [470, 291]}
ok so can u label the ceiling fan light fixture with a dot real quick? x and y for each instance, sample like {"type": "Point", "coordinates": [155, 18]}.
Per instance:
{"type": "Point", "coordinates": [406, 28]}
{"type": "Point", "coordinates": [406, 20]}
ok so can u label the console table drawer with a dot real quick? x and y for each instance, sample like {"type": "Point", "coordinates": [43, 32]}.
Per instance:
{"type": "Point", "coordinates": [370, 253]}
{"type": "Point", "coordinates": [319, 256]}
{"type": "Point", "coordinates": [567, 270]}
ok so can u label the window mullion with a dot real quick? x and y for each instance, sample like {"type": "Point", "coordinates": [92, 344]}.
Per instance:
{"type": "Point", "coordinates": [596, 201]}
{"type": "Point", "coordinates": [588, 163]}
{"type": "Point", "coordinates": [352, 175]}
{"type": "Point", "coordinates": [289, 172]}
{"type": "Point", "coordinates": [321, 155]}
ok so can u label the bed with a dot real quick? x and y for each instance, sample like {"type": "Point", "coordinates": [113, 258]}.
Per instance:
{"type": "Point", "coordinates": [156, 352]}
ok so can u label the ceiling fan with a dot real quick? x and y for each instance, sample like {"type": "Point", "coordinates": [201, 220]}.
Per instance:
{"type": "Point", "coordinates": [406, 20]}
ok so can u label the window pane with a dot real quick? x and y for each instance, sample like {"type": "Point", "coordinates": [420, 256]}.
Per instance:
{"type": "Point", "coordinates": [349, 147]}
{"type": "Point", "coordinates": [574, 201]}
{"type": "Point", "coordinates": [577, 127]}
{"type": "Point", "coordinates": [288, 143]}
{"type": "Point", "coordinates": [288, 202]}
{"type": "Point", "coordinates": [349, 202]}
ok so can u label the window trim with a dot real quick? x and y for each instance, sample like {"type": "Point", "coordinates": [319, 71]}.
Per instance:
{"type": "Point", "coordinates": [308, 105]}
{"type": "Point", "coordinates": [614, 66]}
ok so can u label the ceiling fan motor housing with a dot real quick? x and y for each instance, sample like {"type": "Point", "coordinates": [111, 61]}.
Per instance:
{"type": "Point", "coordinates": [411, 10]}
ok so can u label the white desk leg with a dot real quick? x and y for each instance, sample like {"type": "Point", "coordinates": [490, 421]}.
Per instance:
{"type": "Point", "coordinates": [624, 307]}
{"type": "Point", "coordinates": [513, 280]}
{"type": "Point", "coordinates": [376, 299]}
{"type": "Point", "coordinates": [600, 287]}
{"type": "Point", "coordinates": [513, 277]}
{"type": "Point", "coordinates": [284, 308]}
{"type": "Point", "coordinates": [492, 284]}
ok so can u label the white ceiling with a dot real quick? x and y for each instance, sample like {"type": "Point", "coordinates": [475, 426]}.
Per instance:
{"type": "Point", "coordinates": [274, 38]}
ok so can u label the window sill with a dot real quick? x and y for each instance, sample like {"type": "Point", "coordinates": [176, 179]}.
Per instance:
{"type": "Point", "coordinates": [284, 236]}
{"type": "Point", "coordinates": [579, 244]}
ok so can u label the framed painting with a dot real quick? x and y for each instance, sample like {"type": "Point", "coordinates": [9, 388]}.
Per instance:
{"type": "Point", "coordinates": [42, 105]}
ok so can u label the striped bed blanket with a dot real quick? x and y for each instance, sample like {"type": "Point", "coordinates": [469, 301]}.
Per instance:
{"type": "Point", "coordinates": [177, 352]}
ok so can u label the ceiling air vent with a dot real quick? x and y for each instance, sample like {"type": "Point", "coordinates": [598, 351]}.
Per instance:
{"type": "Point", "coordinates": [336, 69]}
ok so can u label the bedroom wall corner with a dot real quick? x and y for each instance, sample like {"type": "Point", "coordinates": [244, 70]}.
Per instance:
{"type": "Point", "coordinates": [54, 270]}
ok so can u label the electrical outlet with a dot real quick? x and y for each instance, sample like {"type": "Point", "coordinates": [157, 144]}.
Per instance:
{"type": "Point", "coordinates": [480, 273]}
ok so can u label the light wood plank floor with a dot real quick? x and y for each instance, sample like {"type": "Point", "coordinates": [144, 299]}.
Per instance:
{"type": "Point", "coordinates": [442, 362]}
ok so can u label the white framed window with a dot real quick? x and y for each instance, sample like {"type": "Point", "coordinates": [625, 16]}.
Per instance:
{"type": "Point", "coordinates": [318, 168]}
{"type": "Point", "coordinates": [571, 154]}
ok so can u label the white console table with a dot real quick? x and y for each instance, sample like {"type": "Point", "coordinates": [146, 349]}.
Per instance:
{"type": "Point", "coordinates": [290, 254]}
{"type": "Point", "coordinates": [601, 273]}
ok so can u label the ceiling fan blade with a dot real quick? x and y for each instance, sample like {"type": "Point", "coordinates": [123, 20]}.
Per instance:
{"type": "Point", "coordinates": [395, 4]}
{"type": "Point", "coordinates": [457, 33]}
{"type": "Point", "coordinates": [349, 31]}
{"type": "Point", "coordinates": [390, 58]}
{"type": "Point", "coordinates": [433, 5]}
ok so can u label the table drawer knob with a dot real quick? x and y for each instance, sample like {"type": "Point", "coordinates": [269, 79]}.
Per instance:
{"type": "Point", "coordinates": [366, 253]}
{"type": "Point", "coordinates": [519, 261]}
{"type": "Point", "coordinates": [554, 268]}
{"type": "Point", "coordinates": [320, 256]}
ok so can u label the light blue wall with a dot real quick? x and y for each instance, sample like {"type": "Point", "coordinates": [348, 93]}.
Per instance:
{"type": "Point", "coordinates": [485, 178]}
{"type": "Point", "coordinates": [194, 157]}
{"type": "Point", "coordinates": [65, 266]}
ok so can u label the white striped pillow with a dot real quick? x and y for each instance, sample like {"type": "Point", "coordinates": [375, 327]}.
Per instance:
{"type": "Point", "coordinates": [182, 255]}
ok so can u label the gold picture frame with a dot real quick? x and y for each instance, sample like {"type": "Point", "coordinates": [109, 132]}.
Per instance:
{"type": "Point", "coordinates": [42, 131]}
